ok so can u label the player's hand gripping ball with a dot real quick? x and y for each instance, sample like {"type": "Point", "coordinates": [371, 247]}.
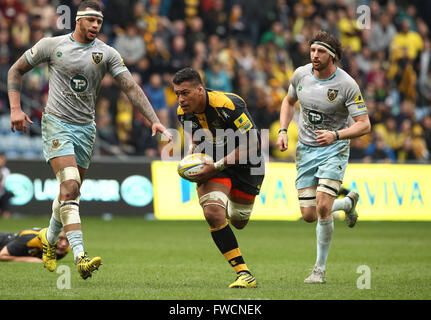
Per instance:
{"type": "Point", "coordinates": [192, 164]}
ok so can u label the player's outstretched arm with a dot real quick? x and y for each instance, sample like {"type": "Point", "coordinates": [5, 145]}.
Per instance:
{"type": "Point", "coordinates": [14, 83]}
{"type": "Point", "coordinates": [5, 256]}
{"type": "Point", "coordinates": [140, 101]}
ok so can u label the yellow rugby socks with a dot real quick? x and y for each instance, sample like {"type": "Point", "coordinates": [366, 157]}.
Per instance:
{"type": "Point", "coordinates": [226, 242]}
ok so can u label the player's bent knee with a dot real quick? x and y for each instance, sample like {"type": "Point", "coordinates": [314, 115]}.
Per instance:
{"type": "Point", "coordinates": [238, 211]}
{"type": "Point", "coordinates": [239, 224]}
{"type": "Point", "coordinates": [70, 183]}
{"type": "Point", "coordinates": [309, 216]}
{"type": "Point", "coordinates": [331, 187]}
{"type": "Point", "coordinates": [69, 190]}
{"type": "Point", "coordinates": [215, 215]}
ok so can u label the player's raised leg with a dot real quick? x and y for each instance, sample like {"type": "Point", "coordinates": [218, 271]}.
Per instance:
{"type": "Point", "coordinates": [213, 199]}
{"type": "Point", "coordinates": [239, 208]}
{"type": "Point", "coordinates": [351, 215]}
{"type": "Point", "coordinates": [307, 203]}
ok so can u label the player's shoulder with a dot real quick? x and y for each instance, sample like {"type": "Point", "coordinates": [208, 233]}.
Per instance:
{"type": "Point", "coordinates": [102, 46]}
{"type": "Point", "coordinates": [305, 69]}
{"type": "Point", "coordinates": [228, 100]}
{"type": "Point", "coordinates": [343, 74]}
{"type": "Point", "coordinates": [51, 42]}
{"type": "Point", "coordinates": [346, 79]}
{"type": "Point", "coordinates": [302, 71]}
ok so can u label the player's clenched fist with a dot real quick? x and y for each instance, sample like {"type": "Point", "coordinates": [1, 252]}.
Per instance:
{"type": "Point", "coordinates": [282, 140]}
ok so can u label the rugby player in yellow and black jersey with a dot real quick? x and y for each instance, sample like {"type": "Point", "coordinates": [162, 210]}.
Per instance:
{"type": "Point", "coordinates": [219, 125]}
{"type": "Point", "coordinates": [25, 246]}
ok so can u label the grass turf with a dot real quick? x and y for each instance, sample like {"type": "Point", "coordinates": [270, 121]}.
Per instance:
{"type": "Point", "coordinates": [173, 260]}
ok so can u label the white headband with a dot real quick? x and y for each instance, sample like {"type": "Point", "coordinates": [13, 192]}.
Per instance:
{"type": "Point", "coordinates": [89, 13]}
{"type": "Point", "coordinates": [325, 46]}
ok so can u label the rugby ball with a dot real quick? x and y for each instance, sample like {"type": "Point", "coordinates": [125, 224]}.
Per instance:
{"type": "Point", "coordinates": [191, 164]}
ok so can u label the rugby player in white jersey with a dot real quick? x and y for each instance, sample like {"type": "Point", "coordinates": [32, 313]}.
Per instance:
{"type": "Point", "coordinates": [328, 96]}
{"type": "Point", "coordinates": [77, 64]}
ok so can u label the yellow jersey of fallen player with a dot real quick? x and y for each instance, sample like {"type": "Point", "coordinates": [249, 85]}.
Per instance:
{"type": "Point", "coordinates": [24, 244]}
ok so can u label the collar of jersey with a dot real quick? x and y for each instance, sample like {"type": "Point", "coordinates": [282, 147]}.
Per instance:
{"type": "Point", "coordinates": [81, 44]}
{"type": "Point", "coordinates": [207, 101]}
{"type": "Point", "coordinates": [323, 80]}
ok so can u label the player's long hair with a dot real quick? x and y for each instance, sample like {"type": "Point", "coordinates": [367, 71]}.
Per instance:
{"type": "Point", "coordinates": [328, 38]}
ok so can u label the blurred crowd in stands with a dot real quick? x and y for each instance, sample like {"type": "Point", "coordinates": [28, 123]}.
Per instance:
{"type": "Point", "coordinates": [250, 47]}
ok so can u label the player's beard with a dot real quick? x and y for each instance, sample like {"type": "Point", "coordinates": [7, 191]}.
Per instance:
{"type": "Point", "coordinates": [86, 33]}
{"type": "Point", "coordinates": [89, 37]}
{"type": "Point", "coordinates": [321, 66]}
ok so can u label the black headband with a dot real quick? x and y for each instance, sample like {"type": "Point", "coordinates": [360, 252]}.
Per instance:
{"type": "Point", "coordinates": [326, 46]}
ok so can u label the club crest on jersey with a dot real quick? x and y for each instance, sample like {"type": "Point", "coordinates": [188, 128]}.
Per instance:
{"type": "Point", "coordinates": [97, 57]}
{"type": "Point", "coordinates": [55, 143]}
{"type": "Point", "coordinates": [332, 95]}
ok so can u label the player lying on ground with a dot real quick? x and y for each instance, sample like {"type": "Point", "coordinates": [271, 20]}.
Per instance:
{"type": "Point", "coordinates": [25, 246]}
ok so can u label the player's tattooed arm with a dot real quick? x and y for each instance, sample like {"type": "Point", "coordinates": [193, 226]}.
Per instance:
{"type": "Point", "coordinates": [16, 72]}
{"type": "Point", "coordinates": [18, 119]}
{"type": "Point", "coordinates": [136, 96]}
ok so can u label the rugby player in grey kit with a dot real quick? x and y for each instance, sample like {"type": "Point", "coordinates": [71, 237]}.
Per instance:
{"type": "Point", "coordinates": [328, 96]}
{"type": "Point", "coordinates": [77, 64]}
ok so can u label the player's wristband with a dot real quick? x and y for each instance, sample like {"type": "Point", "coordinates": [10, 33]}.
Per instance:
{"type": "Point", "coordinates": [219, 165]}
{"type": "Point", "coordinates": [334, 133]}
{"type": "Point", "coordinates": [337, 136]}
{"type": "Point", "coordinates": [282, 130]}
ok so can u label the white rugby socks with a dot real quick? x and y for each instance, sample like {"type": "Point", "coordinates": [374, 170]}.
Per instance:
{"type": "Point", "coordinates": [54, 230]}
{"type": "Point", "coordinates": [342, 204]}
{"type": "Point", "coordinates": [324, 232]}
{"type": "Point", "coordinates": [76, 242]}
{"type": "Point", "coordinates": [55, 225]}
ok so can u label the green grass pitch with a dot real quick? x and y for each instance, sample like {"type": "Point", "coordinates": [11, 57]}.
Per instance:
{"type": "Point", "coordinates": [152, 260]}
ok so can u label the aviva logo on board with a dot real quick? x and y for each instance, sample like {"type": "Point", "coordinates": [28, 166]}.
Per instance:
{"type": "Point", "coordinates": [387, 192]}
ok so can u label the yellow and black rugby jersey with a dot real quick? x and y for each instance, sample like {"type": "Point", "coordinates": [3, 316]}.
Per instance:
{"type": "Point", "coordinates": [26, 243]}
{"type": "Point", "coordinates": [219, 127]}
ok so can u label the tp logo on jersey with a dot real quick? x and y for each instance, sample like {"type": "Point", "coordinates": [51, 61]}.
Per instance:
{"type": "Point", "coordinates": [79, 83]}
{"type": "Point", "coordinates": [315, 117]}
